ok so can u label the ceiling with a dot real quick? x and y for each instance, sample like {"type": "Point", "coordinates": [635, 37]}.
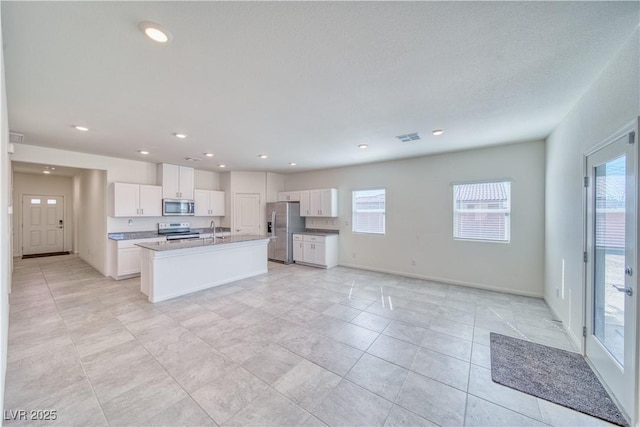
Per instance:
{"type": "Point", "coordinates": [38, 169]}
{"type": "Point", "coordinates": [303, 82]}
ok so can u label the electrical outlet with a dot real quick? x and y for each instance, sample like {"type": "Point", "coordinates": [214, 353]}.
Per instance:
{"type": "Point", "coordinates": [413, 262]}
{"type": "Point", "coordinates": [353, 255]}
{"type": "Point", "coordinates": [557, 292]}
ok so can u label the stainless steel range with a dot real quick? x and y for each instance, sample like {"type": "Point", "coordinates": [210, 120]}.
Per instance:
{"type": "Point", "coordinates": [177, 231]}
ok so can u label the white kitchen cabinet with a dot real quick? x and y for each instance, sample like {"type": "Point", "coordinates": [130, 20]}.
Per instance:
{"type": "Point", "coordinates": [289, 196]}
{"type": "Point", "coordinates": [298, 248]}
{"type": "Point", "coordinates": [150, 200]}
{"type": "Point", "coordinates": [131, 200]}
{"type": "Point", "coordinates": [319, 203]}
{"type": "Point", "coordinates": [305, 207]}
{"type": "Point", "coordinates": [177, 181]}
{"type": "Point", "coordinates": [209, 203]}
{"type": "Point", "coordinates": [316, 250]}
{"type": "Point", "coordinates": [126, 256]}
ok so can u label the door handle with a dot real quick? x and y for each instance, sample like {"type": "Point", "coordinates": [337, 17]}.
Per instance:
{"type": "Point", "coordinates": [273, 223]}
{"type": "Point", "coordinates": [628, 291]}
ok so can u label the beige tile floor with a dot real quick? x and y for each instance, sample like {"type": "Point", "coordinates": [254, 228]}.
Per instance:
{"type": "Point", "coordinates": [296, 346]}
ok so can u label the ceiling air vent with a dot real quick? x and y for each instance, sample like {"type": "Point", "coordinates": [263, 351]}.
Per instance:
{"type": "Point", "coordinates": [409, 137]}
{"type": "Point", "coordinates": [192, 159]}
{"type": "Point", "coordinates": [15, 138]}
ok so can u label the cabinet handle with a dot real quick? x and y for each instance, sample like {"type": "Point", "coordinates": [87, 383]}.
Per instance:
{"type": "Point", "coordinates": [141, 211]}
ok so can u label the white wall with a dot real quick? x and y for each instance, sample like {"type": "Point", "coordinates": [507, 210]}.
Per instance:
{"type": "Point", "coordinates": [612, 101]}
{"type": "Point", "coordinates": [236, 182]}
{"type": "Point", "coordinates": [27, 183]}
{"type": "Point", "coordinates": [275, 184]}
{"type": "Point", "coordinates": [206, 180]}
{"type": "Point", "coordinates": [420, 222]}
{"type": "Point", "coordinates": [92, 222]}
{"type": "Point", "coordinates": [6, 264]}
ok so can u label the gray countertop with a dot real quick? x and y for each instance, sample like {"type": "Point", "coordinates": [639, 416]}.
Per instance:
{"type": "Point", "coordinates": [197, 243]}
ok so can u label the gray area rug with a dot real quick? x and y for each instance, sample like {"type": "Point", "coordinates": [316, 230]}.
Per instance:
{"type": "Point", "coordinates": [558, 376]}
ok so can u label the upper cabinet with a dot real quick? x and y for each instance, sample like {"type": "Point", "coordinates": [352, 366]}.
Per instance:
{"type": "Point", "coordinates": [136, 200]}
{"type": "Point", "coordinates": [289, 196]}
{"type": "Point", "coordinates": [209, 203]}
{"type": "Point", "coordinates": [323, 202]}
{"type": "Point", "coordinates": [315, 203]}
{"type": "Point", "coordinates": [176, 181]}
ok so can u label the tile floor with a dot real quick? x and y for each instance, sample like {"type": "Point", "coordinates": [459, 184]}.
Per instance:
{"type": "Point", "coordinates": [295, 347]}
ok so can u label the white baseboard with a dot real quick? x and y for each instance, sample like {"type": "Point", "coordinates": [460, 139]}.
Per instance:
{"type": "Point", "coordinates": [447, 281]}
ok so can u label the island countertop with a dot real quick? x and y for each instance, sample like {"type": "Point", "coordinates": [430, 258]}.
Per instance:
{"type": "Point", "coordinates": [171, 269]}
{"type": "Point", "coordinates": [198, 243]}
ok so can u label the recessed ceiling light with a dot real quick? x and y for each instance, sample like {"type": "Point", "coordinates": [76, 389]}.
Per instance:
{"type": "Point", "coordinates": [143, 152]}
{"type": "Point", "coordinates": [52, 168]}
{"type": "Point", "coordinates": [192, 159]}
{"type": "Point", "coordinates": [292, 163]}
{"type": "Point", "coordinates": [362, 146]}
{"type": "Point", "coordinates": [155, 32]}
{"type": "Point", "coordinates": [180, 135]}
{"type": "Point", "coordinates": [222, 166]}
{"type": "Point", "coordinates": [46, 172]}
{"type": "Point", "coordinates": [263, 156]}
{"type": "Point", "coordinates": [438, 132]}
{"type": "Point", "coordinates": [209, 154]}
{"type": "Point", "coordinates": [81, 128]}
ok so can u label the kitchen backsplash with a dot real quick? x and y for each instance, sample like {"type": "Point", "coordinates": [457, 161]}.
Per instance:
{"type": "Point", "coordinates": [323, 223]}
{"type": "Point", "coordinates": [117, 225]}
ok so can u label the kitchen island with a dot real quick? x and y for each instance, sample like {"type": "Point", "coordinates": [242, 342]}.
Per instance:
{"type": "Point", "coordinates": [172, 269]}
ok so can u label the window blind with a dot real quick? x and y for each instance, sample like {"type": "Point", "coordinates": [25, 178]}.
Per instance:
{"type": "Point", "coordinates": [368, 209]}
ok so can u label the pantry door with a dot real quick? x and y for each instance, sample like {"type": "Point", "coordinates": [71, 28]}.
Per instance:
{"type": "Point", "coordinates": [611, 246]}
{"type": "Point", "coordinates": [42, 224]}
{"type": "Point", "coordinates": [247, 216]}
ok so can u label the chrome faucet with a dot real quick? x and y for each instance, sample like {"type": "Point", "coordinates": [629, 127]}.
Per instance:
{"type": "Point", "coordinates": [212, 226]}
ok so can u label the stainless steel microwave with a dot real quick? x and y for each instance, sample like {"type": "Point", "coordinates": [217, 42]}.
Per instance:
{"type": "Point", "coordinates": [172, 207]}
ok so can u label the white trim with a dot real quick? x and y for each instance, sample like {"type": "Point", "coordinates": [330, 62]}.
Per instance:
{"type": "Point", "coordinates": [619, 133]}
{"type": "Point", "coordinates": [481, 181]}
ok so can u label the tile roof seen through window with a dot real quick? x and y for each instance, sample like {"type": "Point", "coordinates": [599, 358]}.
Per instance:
{"type": "Point", "coordinates": [483, 191]}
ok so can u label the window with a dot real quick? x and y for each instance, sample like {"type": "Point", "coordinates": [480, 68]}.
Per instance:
{"type": "Point", "coordinates": [35, 201]}
{"type": "Point", "coordinates": [368, 211]}
{"type": "Point", "coordinates": [51, 201]}
{"type": "Point", "coordinates": [482, 211]}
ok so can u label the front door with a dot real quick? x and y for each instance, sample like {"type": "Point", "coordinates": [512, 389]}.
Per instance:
{"type": "Point", "coordinates": [611, 267]}
{"type": "Point", "coordinates": [247, 215]}
{"type": "Point", "coordinates": [42, 224]}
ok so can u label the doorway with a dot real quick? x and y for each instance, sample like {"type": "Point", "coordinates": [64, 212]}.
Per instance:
{"type": "Point", "coordinates": [247, 216]}
{"type": "Point", "coordinates": [42, 224]}
{"type": "Point", "coordinates": [611, 254]}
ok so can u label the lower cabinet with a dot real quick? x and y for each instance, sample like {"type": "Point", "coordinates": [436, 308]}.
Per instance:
{"type": "Point", "coordinates": [316, 250]}
{"type": "Point", "coordinates": [126, 257]}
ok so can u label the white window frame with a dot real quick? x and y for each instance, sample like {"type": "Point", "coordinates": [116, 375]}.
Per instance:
{"type": "Point", "coordinates": [354, 212]}
{"type": "Point", "coordinates": [506, 210]}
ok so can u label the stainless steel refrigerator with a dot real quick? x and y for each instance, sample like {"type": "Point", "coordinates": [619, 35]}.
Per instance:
{"type": "Point", "coordinates": [283, 219]}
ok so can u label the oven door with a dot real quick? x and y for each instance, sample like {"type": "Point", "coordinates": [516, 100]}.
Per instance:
{"type": "Point", "coordinates": [172, 207]}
